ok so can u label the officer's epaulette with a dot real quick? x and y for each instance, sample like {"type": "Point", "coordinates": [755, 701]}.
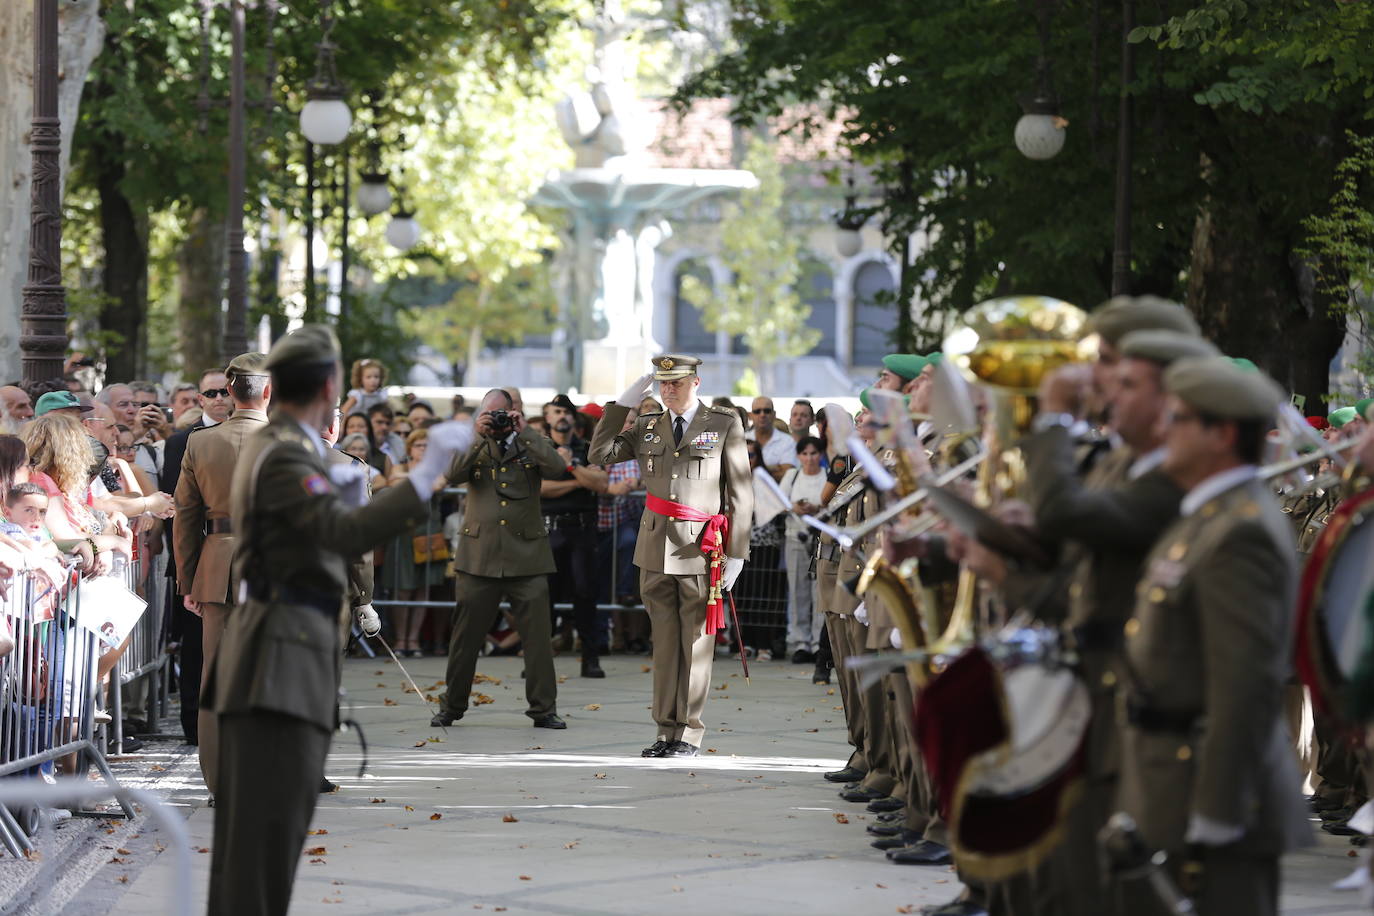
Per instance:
{"type": "Point", "coordinates": [728, 411]}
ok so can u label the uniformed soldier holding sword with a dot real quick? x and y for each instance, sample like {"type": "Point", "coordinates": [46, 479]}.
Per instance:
{"type": "Point", "coordinates": [693, 539]}
{"type": "Point", "coordinates": [274, 682]}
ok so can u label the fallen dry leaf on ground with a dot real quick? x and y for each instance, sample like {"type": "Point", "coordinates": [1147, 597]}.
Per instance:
{"type": "Point", "coordinates": [481, 699]}
{"type": "Point", "coordinates": [435, 816]}
{"type": "Point", "coordinates": [317, 862]}
{"type": "Point", "coordinates": [478, 679]}
{"type": "Point", "coordinates": [380, 684]}
{"type": "Point", "coordinates": [377, 801]}
{"type": "Point", "coordinates": [841, 818]}
{"type": "Point", "coordinates": [123, 879]}
{"type": "Point", "coordinates": [809, 709]}
{"type": "Point", "coordinates": [317, 851]}
{"type": "Point", "coordinates": [420, 743]}
{"type": "Point", "coordinates": [116, 860]}
{"type": "Point", "coordinates": [645, 669]}
{"type": "Point", "coordinates": [410, 808]}
{"type": "Point", "coordinates": [710, 750]}
{"type": "Point", "coordinates": [592, 706]}
{"type": "Point", "coordinates": [813, 729]}
{"type": "Point", "coordinates": [599, 775]}
{"type": "Point", "coordinates": [319, 832]}
{"type": "Point", "coordinates": [526, 878]}
{"type": "Point", "coordinates": [510, 819]}
{"type": "Point", "coordinates": [122, 851]}
{"type": "Point", "coordinates": [388, 701]}
{"type": "Point", "coordinates": [571, 845]}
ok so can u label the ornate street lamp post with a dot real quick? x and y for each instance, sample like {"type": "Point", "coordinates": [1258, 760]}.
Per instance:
{"type": "Point", "coordinates": [43, 338]}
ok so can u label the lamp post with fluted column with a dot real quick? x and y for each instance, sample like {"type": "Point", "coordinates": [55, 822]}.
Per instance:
{"type": "Point", "coordinates": [43, 336]}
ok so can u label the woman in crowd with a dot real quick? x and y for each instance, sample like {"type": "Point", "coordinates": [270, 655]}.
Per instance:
{"type": "Point", "coordinates": [407, 579]}
{"type": "Point", "coordinates": [802, 486]}
{"type": "Point", "coordinates": [356, 445]}
{"type": "Point", "coordinates": [355, 424]}
{"type": "Point", "coordinates": [761, 591]}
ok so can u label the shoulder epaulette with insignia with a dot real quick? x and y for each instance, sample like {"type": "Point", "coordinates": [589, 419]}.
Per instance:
{"type": "Point", "coordinates": [727, 411]}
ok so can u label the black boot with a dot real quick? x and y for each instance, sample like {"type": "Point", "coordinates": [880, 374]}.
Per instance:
{"type": "Point", "coordinates": [591, 666]}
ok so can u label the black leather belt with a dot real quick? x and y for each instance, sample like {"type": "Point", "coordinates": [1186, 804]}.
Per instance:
{"type": "Point", "coordinates": [570, 520]}
{"type": "Point", "coordinates": [1154, 719]}
{"type": "Point", "coordinates": [323, 602]}
{"type": "Point", "coordinates": [1098, 635]}
{"type": "Point", "coordinates": [219, 526]}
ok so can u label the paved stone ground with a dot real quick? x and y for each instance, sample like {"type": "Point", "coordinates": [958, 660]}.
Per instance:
{"type": "Point", "coordinates": [497, 816]}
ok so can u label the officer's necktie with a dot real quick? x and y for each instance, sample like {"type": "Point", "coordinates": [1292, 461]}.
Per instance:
{"type": "Point", "coordinates": [677, 431]}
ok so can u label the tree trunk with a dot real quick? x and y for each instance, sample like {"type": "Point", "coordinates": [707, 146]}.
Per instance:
{"type": "Point", "coordinates": [79, 41]}
{"type": "Point", "coordinates": [1254, 298]}
{"type": "Point", "coordinates": [200, 264]}
{"type": "Point", "coordinates": [125, 269]}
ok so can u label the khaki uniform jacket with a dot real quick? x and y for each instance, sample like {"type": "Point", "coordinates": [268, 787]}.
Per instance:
{"type": "Point", "coordinates": [202, 495]}
{"type": "Point", "coordinates": [280, 651]}
{"type": "Point", "coordinates": [503, 533]}
{"type": "Point", "coordinates": [709, 471]}
{"type": "Point", "coordinates": [1211, 637]}
{"type": "Point", "coordinates": [842, 600]}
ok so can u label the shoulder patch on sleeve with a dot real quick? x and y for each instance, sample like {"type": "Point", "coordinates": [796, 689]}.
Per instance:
{"type": "Point", "coordinates": [315, 485]}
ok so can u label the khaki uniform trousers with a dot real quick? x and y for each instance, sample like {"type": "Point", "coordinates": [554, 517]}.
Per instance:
{"type": "Point", "coordinates": [212, 618]}
{"type": "Point", "coordinates": [479, 600]}
{"type": "Point", "coordinates": [683, 652]}
{"type": "Point", "coordinates": [873, 705]}
{"type": "Point", "coordinates": [838, 633]}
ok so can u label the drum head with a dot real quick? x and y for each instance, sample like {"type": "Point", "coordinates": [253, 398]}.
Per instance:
{"type": "Point", "coordinates": [1336, 584]}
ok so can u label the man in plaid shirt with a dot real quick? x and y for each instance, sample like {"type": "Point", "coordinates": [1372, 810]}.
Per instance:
{"type": "Point", "coordinates": [617, 522]}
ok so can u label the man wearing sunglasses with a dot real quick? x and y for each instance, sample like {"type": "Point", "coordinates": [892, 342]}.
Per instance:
{"type": "Point", "coordinates": [779, 452]}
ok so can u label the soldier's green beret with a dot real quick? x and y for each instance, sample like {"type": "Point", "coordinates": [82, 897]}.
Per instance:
{"type": "Point", "coordinates": [907, 365]}
{"type": "Point", "coordinates": [1216, 386]}
{"type": "Point", "coordinates": [1244, 363]}
{"type": "Point", "coordinates": [308, 345]}
{"type": "Point", "coordinates": [935, 358]}
{"type": "Point", "coordinates": [863, 398]}
{"type": "Point", "coordinates": [1339, 418]}
{"type": "Point", "coordinates": [1362, 407]}
{"type": "Point", "coordinates": [669, 367]}
{"type": "Point", "coordinates": [1164, 347]}
{"type": "Point", "coordinates": [246, 364]}
{"type": "Point", "coordinates": [1121, 315]}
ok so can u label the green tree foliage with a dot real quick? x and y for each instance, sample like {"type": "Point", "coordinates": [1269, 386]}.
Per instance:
{"type": "Point", "coordinates": [1241, 112]}
{"type": "Point", "coordinates": [761, 250]}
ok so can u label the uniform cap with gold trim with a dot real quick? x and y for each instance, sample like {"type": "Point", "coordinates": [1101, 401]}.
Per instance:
{"type": "Point", "coordinates": [253, 363]}
{"type": "Point", "coordinates": [671, 366]}
{"type": "Point", "coordinates": [1216, 386]}
{"type": "Point", "coordinates": [308, 345]}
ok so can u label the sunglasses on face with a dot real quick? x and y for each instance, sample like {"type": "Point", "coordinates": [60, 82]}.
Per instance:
{"type": "Point", "coordinates": [762, 410]}
{"type": "Point", "coordinates": [215, 393]}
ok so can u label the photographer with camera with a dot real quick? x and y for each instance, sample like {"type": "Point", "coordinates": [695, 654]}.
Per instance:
{"type": "Point", "coordinates": [504, 551]}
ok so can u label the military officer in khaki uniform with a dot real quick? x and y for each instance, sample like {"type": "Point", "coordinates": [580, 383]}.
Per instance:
{"type": "Point", "coordinates": [693, 461]}
{"type": "Point", "coordinates": [504, 552]}
{"type": "Point", "coordinates": [274, 681]}
{"type": "Point", "coordinates": [203, 535]}
{"type": "Point", "coordinates": [1207, 767]}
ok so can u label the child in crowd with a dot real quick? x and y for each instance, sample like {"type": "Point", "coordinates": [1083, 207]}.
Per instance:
{"type": "Point", "coordinates": [367, 378]}
{"type": "Point", "coordinates": [25, 526]}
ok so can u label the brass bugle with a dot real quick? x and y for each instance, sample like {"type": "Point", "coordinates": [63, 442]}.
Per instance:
{"type": "Point", "coordinates": [1279, 468]}
{"type": "Point", "coordinates": [847, 537]}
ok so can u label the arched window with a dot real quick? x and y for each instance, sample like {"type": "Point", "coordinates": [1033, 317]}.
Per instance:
{"type": "Point", "coordinates": [875, 314]}
{"type": "Point", "coordinates": [689, 334]}
{"type": "Point", "coordinates": [817, 290]}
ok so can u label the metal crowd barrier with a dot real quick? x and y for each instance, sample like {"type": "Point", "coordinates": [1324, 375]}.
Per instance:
{"type": "Point", "coordinates": [145, 658]}
{"type": "Point", "coordinates": [761, 594]}
{"type": "Point", "coordinates": [49, 692]}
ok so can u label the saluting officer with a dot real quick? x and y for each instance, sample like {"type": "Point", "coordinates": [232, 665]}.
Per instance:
{"type": "Point", "coordinates": [202, 532]}
{"type": "Point", "coordinates": [693, 461]}
{"type": "Point", "coordinates": [1207, 768]}
{"type": "Point", "coordinates": [274, 682]}
{"type": "Point", "coordinates": [504, 551]}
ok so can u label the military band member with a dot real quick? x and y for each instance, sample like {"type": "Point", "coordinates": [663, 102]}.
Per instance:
{"type": "Point", "coordinates": [202, 531]}
{"type": "Point", "coordinates": [1207, 767]}
{"type": "Point", "coordinates": [694, 464]}
{"type": "Point", "coordinates": [274, 681]}
{"type": "Point", "coordinates": [504, 552]}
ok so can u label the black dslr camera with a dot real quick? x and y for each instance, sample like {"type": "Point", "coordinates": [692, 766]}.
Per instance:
{"type": "Point", "coordinates": [502, 423]}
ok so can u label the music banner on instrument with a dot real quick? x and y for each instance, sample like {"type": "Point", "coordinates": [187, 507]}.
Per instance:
{"type": "Point", "coordinates": [108, 609]}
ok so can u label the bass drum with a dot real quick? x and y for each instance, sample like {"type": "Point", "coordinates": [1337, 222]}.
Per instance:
{"type": "Point", "coordinates": [1007, 775]}
{"type": "Point", "coordinates": [1336, 584]}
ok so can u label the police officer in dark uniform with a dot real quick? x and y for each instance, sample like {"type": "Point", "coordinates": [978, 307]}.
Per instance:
{"type": "Point", "coordinates": [274, 681]}
{"type": "Point", "coordinates": [570, 515]}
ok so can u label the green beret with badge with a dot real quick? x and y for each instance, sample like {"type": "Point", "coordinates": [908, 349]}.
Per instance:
{"type": "Point", "coordinates": [1217, 387]}
{"type": "Point", "coordinates": [1121, 315]}
{"type": "Point", "coordinates": [670, 367]}
{"type": "Point", "coordinates": [1362, 407]}
{"type": "Point", "coordinates": [907, 365]}
{"type": "Point", "coordinates": [1164, 347]}
{"type": "Point", "coordinates": [1344, 415]}
{"type": "Point", "coordinates": [308, 345]}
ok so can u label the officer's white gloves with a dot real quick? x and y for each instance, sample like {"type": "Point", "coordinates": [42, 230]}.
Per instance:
{"type": "Point", "coordinates": [861, 613]}
{"type": "Point", "coordinates": [368, 621]}
{"type": "Point", "coordinates": [895, 637]}
{"type": "Point", "coordinates": [445, 441]}
{"type": "Point", "coordinates": [635, 393]}
{"type": "Point", "coordinates": [350, 482]}
{"type": "Point", "coordinates": [733, 566]}
{"type": "Point", "coordinates": [1205, 831]}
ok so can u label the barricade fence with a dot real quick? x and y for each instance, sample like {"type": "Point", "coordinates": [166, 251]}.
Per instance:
{"type": "Point", "coordinates": [413, 575]}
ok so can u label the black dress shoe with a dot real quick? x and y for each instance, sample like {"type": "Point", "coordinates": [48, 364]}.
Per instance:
{"type": "Point", "coordinates": [891, 817]}
{"type": "Point", "coordinates": [1316, 804]}
{"type": "Point", "coordinates": [860, 794]}
{"type": "Point", "coordinates": [326, 786]}
{"type": "Point", "coordinates": [898, 840]}
{"type": "Point", "coordinates": [848, 774]}
{"type": "Point", "coordinates": [656, 749]}
{"type": "Point", "coordinates": [680, 749]}
{"type": "Point", "coordinates": [923, 852]}
{"type": "Point", "coordinates": [884, 829]}
{"type": "Point", "coordinates": [801, 657]}
{"type": "Point", "coordinates": [883, 805]}
{"type": "Point", "coordinates": [444, 719]}
{"type": "Point", "coordinates": [550, 721]}
{"type": "Point", "coordinates": [955, 908]}
{"type": "Point", "coordinates": [1340, 828]}
{"type": "Point", "coordinates": [821, 675]}
{"type": "Point", "coordinates": [592, 668]}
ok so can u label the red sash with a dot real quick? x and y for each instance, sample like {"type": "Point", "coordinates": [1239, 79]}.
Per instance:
{"type": "Point", "coordinates": [713, 540]}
